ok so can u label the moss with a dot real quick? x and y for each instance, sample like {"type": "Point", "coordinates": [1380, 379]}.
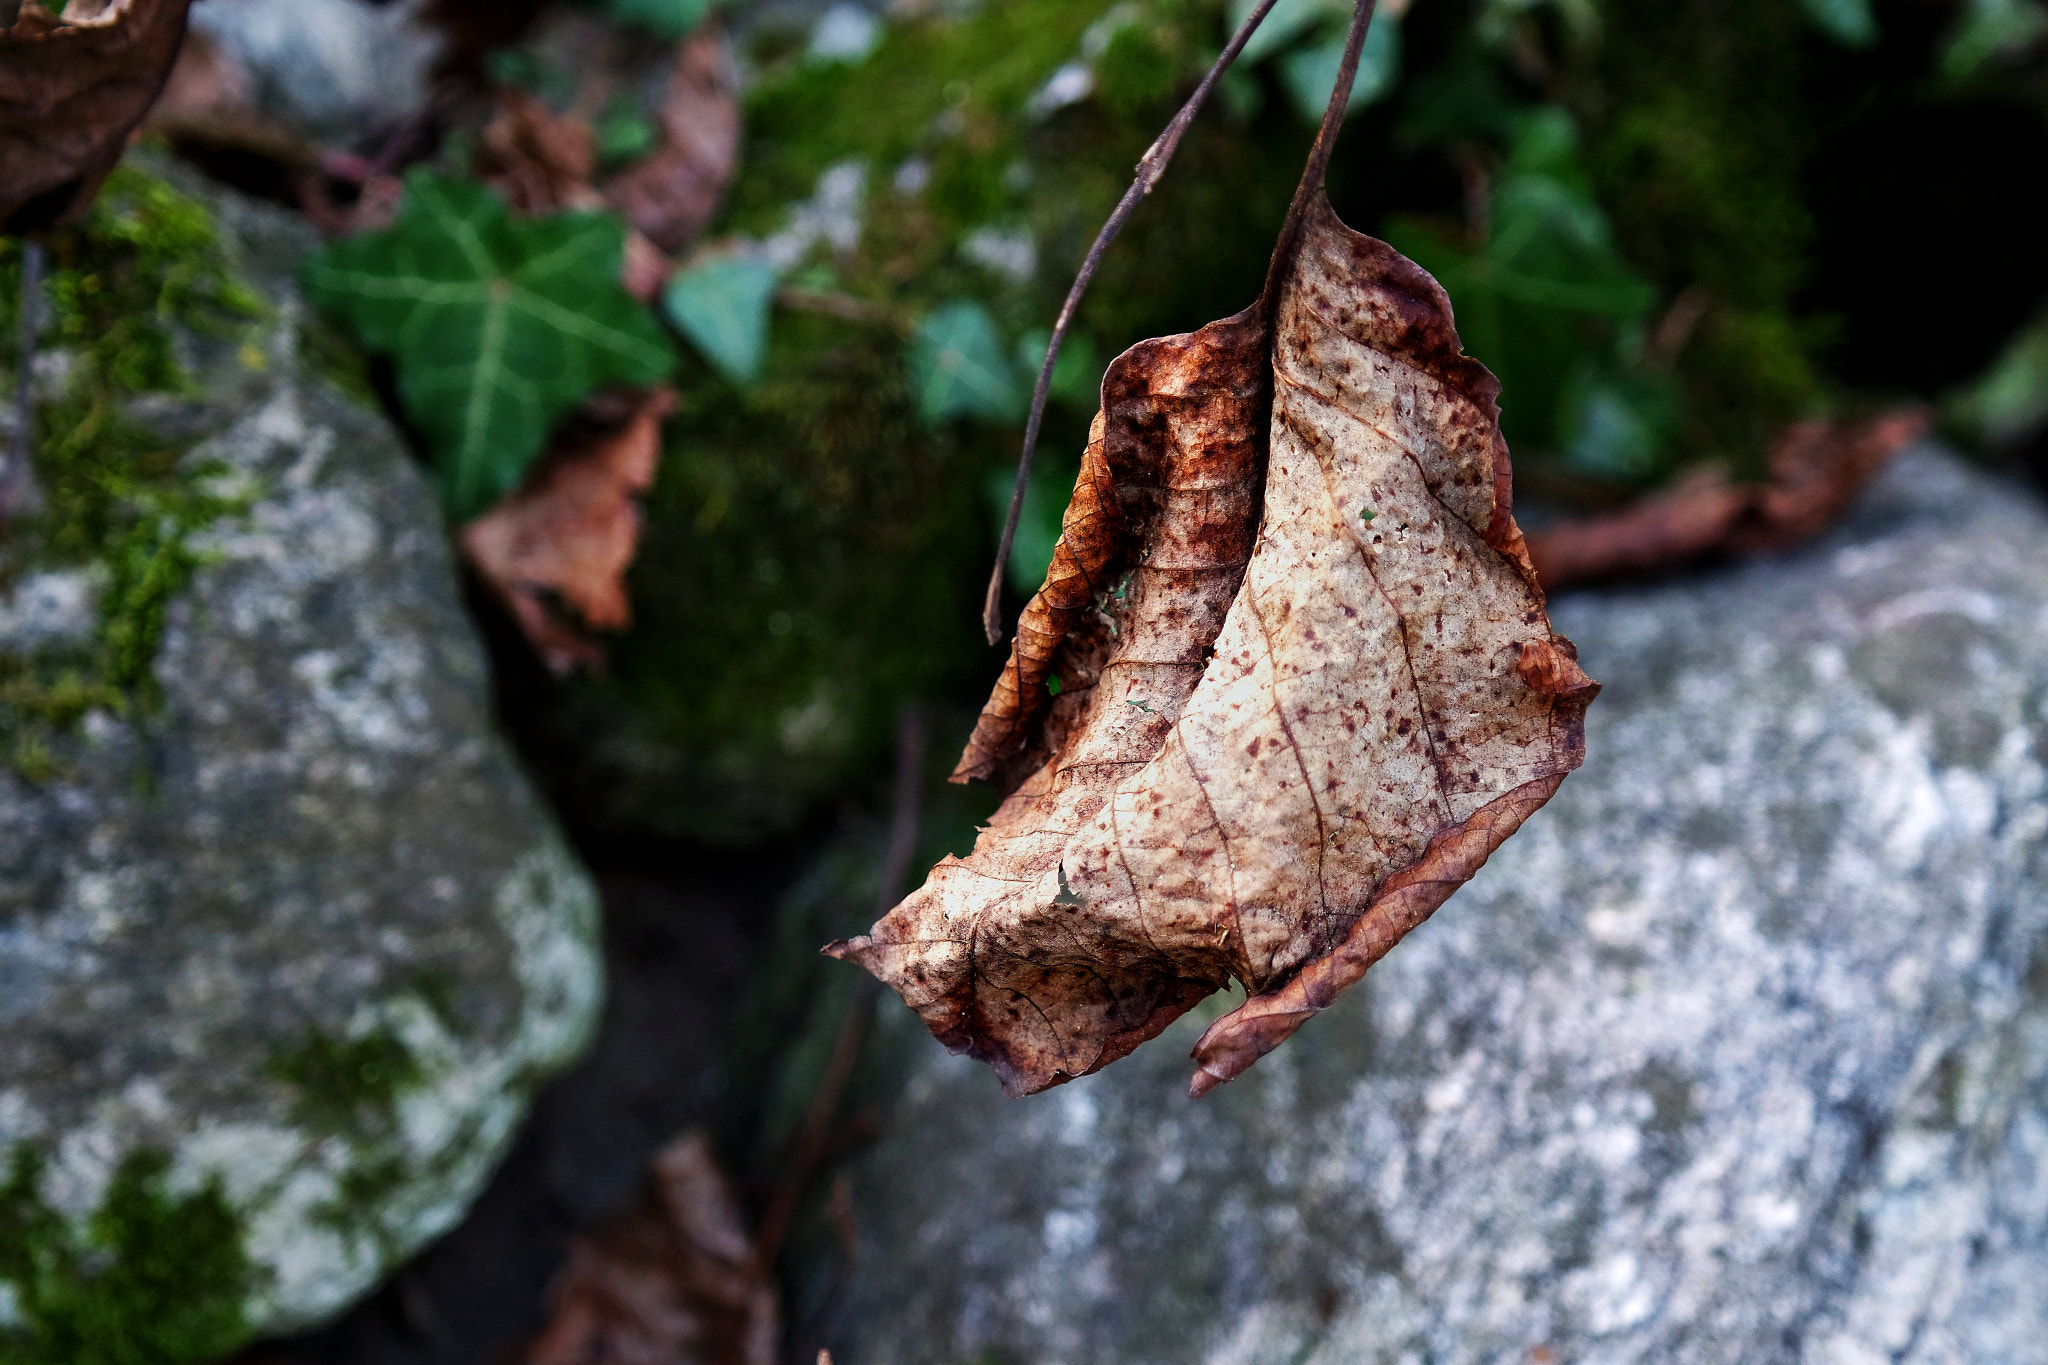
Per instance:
{"type": "Point", "coordinates": [1699, 143]}
{"type": "Point", "coordinates": [145, 264]}
{"type": "Point", "coordinates": [815, 553]}
{"type": "Point", "coordinates": [154, 1278]}
{"type": "Point", "coordinates": [349, 1086]}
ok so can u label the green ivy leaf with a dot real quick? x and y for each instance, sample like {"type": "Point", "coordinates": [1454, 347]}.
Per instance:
{"type": "Point", "coordinates": [497, 327]}
{"type": "Point", "coordinates": [1310, 73]}
{"type": "Point", "coordinates": [1285, 22]}
{"type": "Point", "coordinates": [959, 368]}
{"type": "Point", "coordinates": [1848, 22]}
{"type": "Point", "coordinates": [664, 18]}
{"type": "Point", "coordinates": [1548, 298]}
{"type": "Point", "coordinates": [1076, 375]}
{"type": "Point", "coordinates": [1989, 28]}
{"type": "Point", "coordinates": [1038, 522]}
{"type": "Point", "coordinates": [722, 307]}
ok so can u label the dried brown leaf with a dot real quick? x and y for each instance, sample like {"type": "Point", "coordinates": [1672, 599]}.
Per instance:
{"type": "Point", "coordinates": [675, 1281]}
{"type": "Point", "coordinates": [1308, 685]}
{"type": "Point", "coordinates": [206, 82]}
{"type": "Point", "coordinates": [671, 194]}
{"type": "Point", "coordinates": [570, 533]}
{"type": "Point", "coordinates": [1817, 468]}
{"type": "Point", "coordinates": [538, 159]}
{"type": "Point", "coordinates": [542, 161]}
{"type": "Point", "coordinates": [71, 90]}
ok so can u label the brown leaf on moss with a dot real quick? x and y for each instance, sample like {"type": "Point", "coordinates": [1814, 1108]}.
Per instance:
{"type": "Point", "coordinates": [1817, 468]}
{"type": "Point", "coordinates": [569, 533]}
{"type": "Point", "coordinates": [1312, 687]}
{"type": "Point", "coordinates": [72, 88]}
{"type": "Point", "coordinates": [542, 162]}
{"type": "Point", "coordinates": [538, 159]}
{"type": "Point", "coordinates": [674, 1281]}
{"type": "Point", "coordinates": [671, 194]}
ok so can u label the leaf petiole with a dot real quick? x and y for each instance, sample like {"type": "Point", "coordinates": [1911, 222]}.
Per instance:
{"type": "Point", "coordinates": [1150, 167]}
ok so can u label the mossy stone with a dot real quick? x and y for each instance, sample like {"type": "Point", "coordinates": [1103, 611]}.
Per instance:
{"type": "Point", "coordinates": [286, 940]}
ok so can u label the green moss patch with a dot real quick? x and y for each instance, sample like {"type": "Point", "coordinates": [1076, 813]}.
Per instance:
{"type": "Point", "coordinates": [349, 1086]}
{"type": "Point", "coordinates": [154, 1278]}
{"type": "Point", "coordinates": [145, 264]}
{"type": "Point", "coordinates": [816, 545]}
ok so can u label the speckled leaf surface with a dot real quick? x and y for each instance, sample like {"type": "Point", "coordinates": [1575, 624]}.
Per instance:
{"type": "Point", "coordinates": [1308, 684]}
{"type": "Point", "coordinates": [498, 326]}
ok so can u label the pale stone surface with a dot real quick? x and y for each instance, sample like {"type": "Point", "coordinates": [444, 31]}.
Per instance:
{"type": "Point", "coordinates": [316, 841]}
{"type": "Point", "coordinates": [1738, 1052]}
{"type": "Point", "coordinates": [333, 68]}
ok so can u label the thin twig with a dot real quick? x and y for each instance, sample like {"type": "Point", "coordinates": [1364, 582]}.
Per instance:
{"type": "Point", "coordinates": [19, 495]}
{"type": "Point", "coordinates": [1150, 167]}
{"type": "Point", "coordinates": [1319, 155]}
{"type": "Point", "coordinates": [816, 1134]}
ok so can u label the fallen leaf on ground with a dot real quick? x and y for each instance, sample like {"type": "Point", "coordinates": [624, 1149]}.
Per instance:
{"type": "Point", "coordinates": [1817, 468]}
{"type": "Point", "coordinates": [538, 159]}
{"type": "Point", "coordinates": [72, 87]}
{"type": "Point", "coordinates": [674, 1281]}
{"type": "Point", "coordinates": [570, 533]}
{"type": "Point", "coordinates": [671, 194]}
{"type": "Point", "coordinates": [1307, 685]}
{"type": "Point", "coordinates": [542, 161]}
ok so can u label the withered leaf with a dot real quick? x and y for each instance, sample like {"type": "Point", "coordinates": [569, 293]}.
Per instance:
{"type": "Point", "coordinates": [72, 87]}
{"type": "Point", "coordinates": [674, 1281]}
{"type": "Point", "coordinates": [570, 533]}
{"type": "Point", "coordinates": [671, 194]}
{"type": "Point", "coordinates": [538, 159]}
{"type": "Point", "coordinates": [542, 161]}
{"type": "Point", "coordinates": [1817, 467]}
{"type": "Point", "coordinates": [1307, 685]}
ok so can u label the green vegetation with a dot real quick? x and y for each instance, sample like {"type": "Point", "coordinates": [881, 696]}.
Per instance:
{"type": "Point", "coordinates": [817, 537]}
{"type": "Point", "coordinates": [154, 1278]}
{"type": "Point", "coordinates": [145, 264]}
{"type": "Point", "coordinates": [498, 326]}
{"type": "Point", "coordinates": [1618, 199]}
{"type": "Point", "coordinates": [348, 1086]}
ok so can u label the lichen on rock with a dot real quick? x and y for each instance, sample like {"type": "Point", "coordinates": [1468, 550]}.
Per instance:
{"type": "Point", "coordinates": [280, 919]}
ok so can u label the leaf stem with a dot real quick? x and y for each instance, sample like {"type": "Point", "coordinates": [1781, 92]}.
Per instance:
{"type": "Point", "coordinates": [1150, 167]}
{"type": "Point", "coordinates": [19, 495]}
{"type": "Point", "coordinates": [1318, 155]}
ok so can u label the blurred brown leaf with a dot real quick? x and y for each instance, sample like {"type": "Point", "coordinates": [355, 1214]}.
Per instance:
{"type": "Point", "coordinates": [673, 1281]}
{"type": "Point", "coordinates": [206, 82]}
{"type": "Point", "coordinates": [1306, 686]}
{"type": "Point", "coordinates": [671, 194]}
{"type": "Point", "coordinates": [538, 159]}
{"type": "Point", "coordinates": [71, 90]}
{"type": "Point", "coordinates": [542, 161]}
{"type": "Point", "coordinates": [570, 532]}
{"type": "Point", "coordinates": [1817, 468]}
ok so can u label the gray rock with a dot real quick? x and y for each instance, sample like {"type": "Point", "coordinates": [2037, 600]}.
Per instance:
{"type": "Point", "coordinates": [336, 69]}
{"type": "Point", "coordinates": [303, 927]}
{"type": "Point", "coordinates": [1738, 1052]}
